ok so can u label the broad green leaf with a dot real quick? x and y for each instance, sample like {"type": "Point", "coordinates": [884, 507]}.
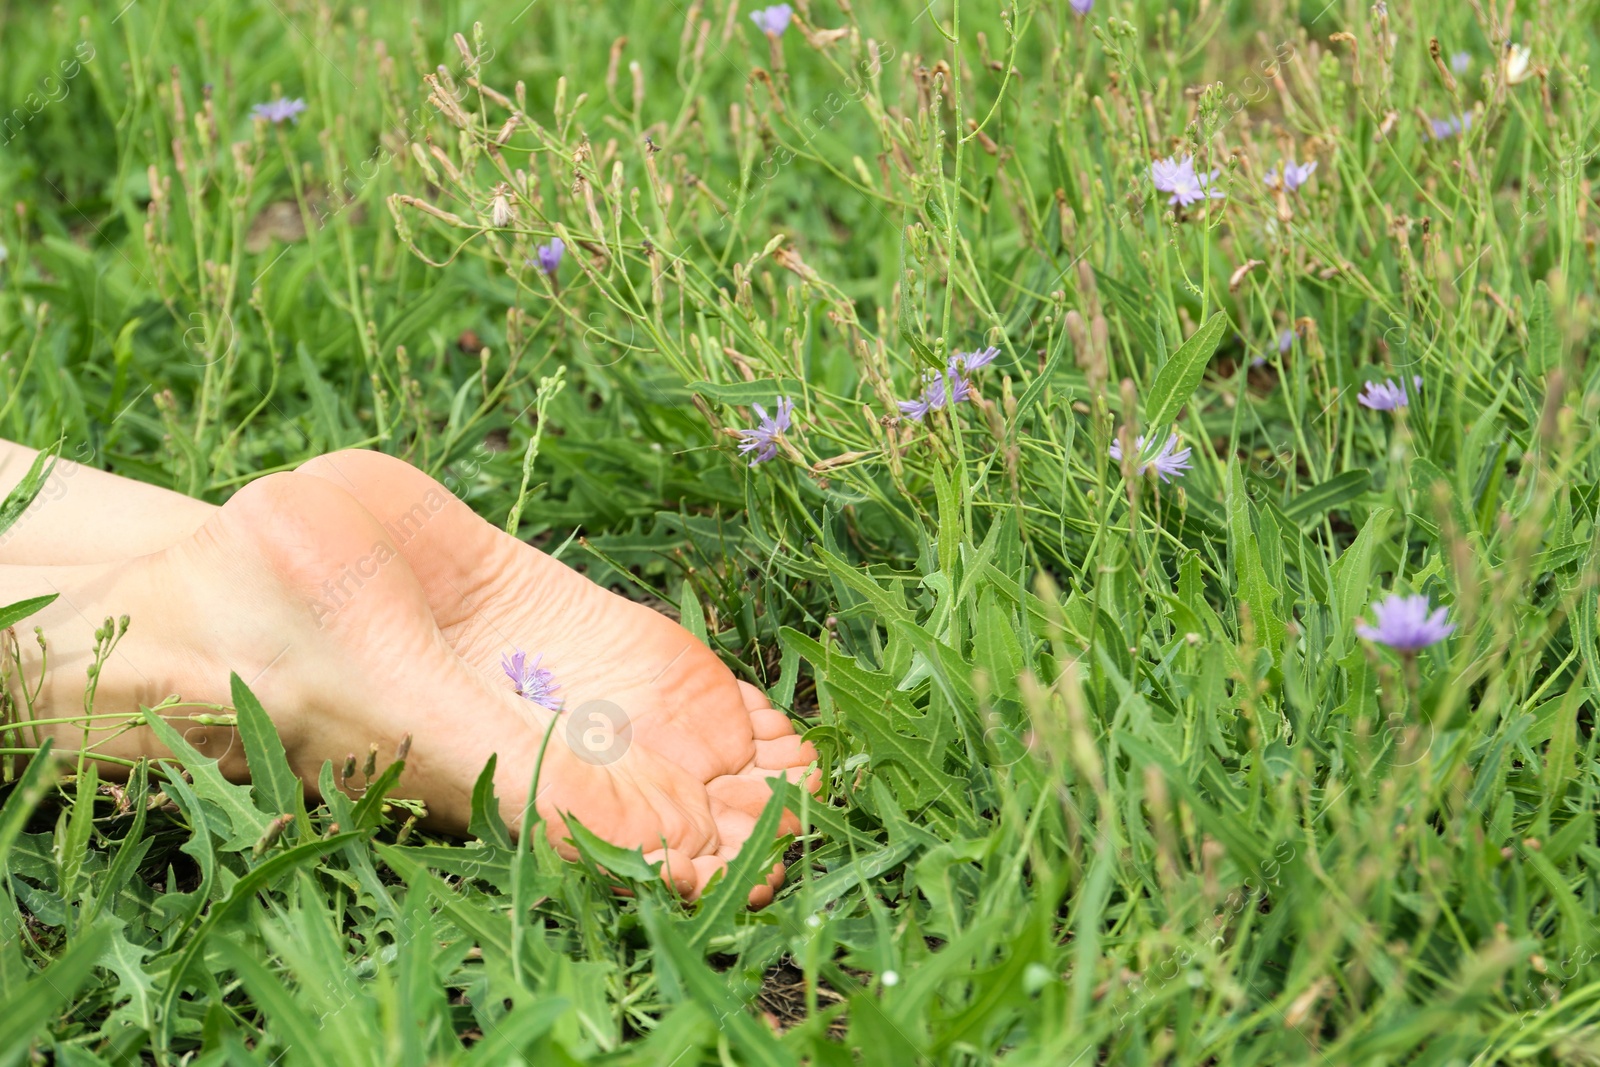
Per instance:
{"type": "Point", "coordinates": [620, 862]}
{"type": "Point", "coordinates": [765, 392]}
{"type": "Point", "coordinates": [1254, 588]}
{"type": "Point", "coordinates": [1309, 505]}
{"type": "Point", "coordinates": [1544, 333]}
{"type": "Point", "coordinates": [691, 616]}
{"type": "Point", "coordinates": [1352, 571]}
{"type": "Point", "coordinates": [12, 614]}
{"type": "Point", "coordinates": [26, 491]}
{"type": "Point", "coordinates": [1176, 381]}
{"type": "Point", "coordinates": [277, 788]}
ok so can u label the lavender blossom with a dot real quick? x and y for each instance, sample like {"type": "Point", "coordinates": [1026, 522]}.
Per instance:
{"type": "Point", "coordinates": [279, 110]}
{"type": "Point", "coordinates": [1082, 7]}
{"type": "Point", "coordinates": [1387, 394]}
{"type": "Point", "coordinates": [1167, 463]}
{"type": "Point", "coordinates": [971, 361]}
{"type": "Point", "coordinates": [773, 20]}
{"type": "Point", "coordinates": [938, 391]}
{"type": "Point", "coordinates": [550, 255]}
{"type": "Point", "coordinates": [533, 682]}
{"type": "Point", "coordinates": [1405, 624]}
{"type": "Point", "coordinates": [1461, 62]}
{"type": "Point", "coordinates": [1178, 177]}
{"type": "Point", "coordinates": [1450, 125]}
{"type": "Point", "coordinates": [1294, 175]}
{"type": "Point", "coordinates": [1285, 342]}
{"type": "Point", "coordinates": [763, 440]}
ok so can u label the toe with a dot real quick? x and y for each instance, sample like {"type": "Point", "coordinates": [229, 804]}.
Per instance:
{"type": "Point", "coordinates": [754, 699]}
{"type": "Point", "coordinates": [749, 794]}
{"type": "Point", "coordinates": [704, 868]}
{"type": "Point", "coordinates": [768, 724]}
{"type": "Point", "coordinates": [678, 870]}
{"type": "Point", "coordinates": [783, 753]}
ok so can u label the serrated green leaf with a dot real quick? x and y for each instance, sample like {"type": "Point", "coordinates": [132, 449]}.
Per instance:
{"type": "Point", "coordinates": [246, 822]}
{"type": "Point", "coordinates": [485, 822]}
{"type": "Point", "coordinates": [276, 787]}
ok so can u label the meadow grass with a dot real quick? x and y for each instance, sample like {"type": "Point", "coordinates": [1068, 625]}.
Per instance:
{"type": "Point", "coordinates": [1110, 776]}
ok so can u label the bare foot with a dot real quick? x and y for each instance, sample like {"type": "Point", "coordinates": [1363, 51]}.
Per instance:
{"type": "Point", "coordinates": [491, 593]}
{"type": "Point", "coordinates": [245, 593]}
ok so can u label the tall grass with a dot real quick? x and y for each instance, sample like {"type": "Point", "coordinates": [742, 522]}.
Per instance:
{"type": "Point", "coordinates": [1110, 776]}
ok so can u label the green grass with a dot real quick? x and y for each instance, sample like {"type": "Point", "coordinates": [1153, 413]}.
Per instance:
{"type": "Point", "coordinates": [1110, 778]}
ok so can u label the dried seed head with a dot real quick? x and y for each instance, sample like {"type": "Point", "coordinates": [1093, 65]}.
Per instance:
{"type": "Point", "coordinates": [404, 748]}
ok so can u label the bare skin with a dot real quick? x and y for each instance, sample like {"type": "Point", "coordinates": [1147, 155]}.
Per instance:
{"type": "Point", "coordinates": [364, 620]}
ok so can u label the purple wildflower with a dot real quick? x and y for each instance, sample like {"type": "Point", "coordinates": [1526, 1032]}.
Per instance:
{"type": "Point", "coordinates": [279, 110]}
{"type": "Point", "coordinates": [533, 682]}
{"type": "Point", "coordinates": [1294, 175]}
{"type": "Point", "coordinates": [939, 390]}
{"type": "Point", "coordinates": [1387, 394]}
{"type": "Point", "coordinates": [1450, 125]}
{"type": "Point", "coordinates": [971, 361]}
{"type": "Point", "coordinates": [1167, 463]}
{"type": "Point", "coordinates": [1405, 624]}
{"type": "Point", "coordinates": [773, 20]}
{"type": "Point", "coordinates": [1460, 62]}
{"type": "Point", "coordinates": [1082, 7]}
{"type": "Point", "coordinates": [1178, 177]}
{"type": "Point", "coordinates": [763, 440]}
{"type": "Point", "coordinates": [550, 255]}
{"type": "Point", "coordinates": [1285, 341]}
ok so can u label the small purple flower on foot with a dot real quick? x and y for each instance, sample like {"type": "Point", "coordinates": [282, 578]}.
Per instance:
{"type": "Point", "coordinates": [1178, 177]}
{"type": "Point", "coordinates": [1082, 7]}
{"type": "Point", "coordinates": [773, 20]}
{"type": "Point", "coordinates": [1168, 464]}
{"type": "Point", "coordinates": [533, 682]}
{"type": "Point", "coordinates": [279, 111]}
{"type": "Point", "coordinates": [763, 439]}
{"type": "Point", "coordinates": [1386, 395]}
{"type": "Point", "coordinates": [1460, 62]}
{"type": "Point", "coordinates": [550, 255]}
{"type": "Point", "coordinates": [1405, 624]}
